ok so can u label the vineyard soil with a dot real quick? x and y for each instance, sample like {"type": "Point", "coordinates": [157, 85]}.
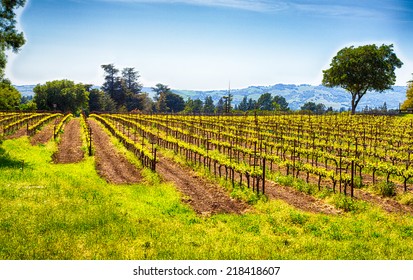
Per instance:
{"type": "Point", "coordinates": [298, 199]}
{"type": "Point", "coordinates": [19, 133]}
{"type": "Point", "coordinates": [111, 165]}
{"type": "Point", "coordinates": [70, 147]}
{"type": "Point", "coordinates": [45, 134]}
{"type": "Point", "coordinates": [204, 197]}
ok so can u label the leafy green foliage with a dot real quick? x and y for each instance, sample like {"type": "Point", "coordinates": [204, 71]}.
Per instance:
{"type": "Point", "coordinates": [313, 107]}
{"type": "Point", "coordinates": [63, 95]}
{"type": "Point", "coordinates": [193, 106]}
{"type": "Point", "coordinates": [362, 69]}
{"type": "Point", "coordinates": [100, 101]}
{"type": "Point", "coordinates": [265, 102]}
{"type": "Point", "coordinates": [385, 188]}
{"type": "Point", "coordinates": [9, 96]}
{"type": "Point", "coordinates": [408, 103]}
{"type": "Point", "coordinates": [122, 92]}
{"type": "Point", "coordinates": [10, 38]}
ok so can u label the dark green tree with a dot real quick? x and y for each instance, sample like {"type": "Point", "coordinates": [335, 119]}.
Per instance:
{"type": "Point", "coordinates": [227, 103]}
{"type": "Point", "coordinates": [280, 103]}
{"type": "Point", "coordinates": [209, 107]}
{"type": "Point", "coordinates": [313, 107]}
{"type": "Point", "coordinates": [166, 101]}
{"type": "Point", "coordinates": [320, 108]}
{"type": "Point", "coordinates": [9, 96]}
{"type": "Point", "coordinates": [130, 78]}
{"type": "Point", "coordinates": [159, 89]}
{"type": "Point", "coordinates": [62, 95]}
{"type": "Point", "coordinates": [265, 102]}
{"type": "Point", "coordinates": [113, 85]}
{"type": "Point", "coordinates": [362, 69]}
{"type": "Point", "coordinates": [309, 106]}
{"type": "Point", "coordinates": [95, 100]}
{"type": "Point", "coordinates": [174, 102]}
{"type": "Point", "coordinates": [219, 109]}
{"type": "Point", "coordinates": [161, 104]}
{"type": "Point", "coordinates": [243, 105]}
{"type": "Point", "coordinates": [100, 101]}
{"type": "Point", "coordinates": [252, 104]}
{"type": "Point", "coordinates": [194, 106]}
{"type": "Point", "coordinates": [146, 103]}
{"type": "Point", "coordinates": [10, 38]}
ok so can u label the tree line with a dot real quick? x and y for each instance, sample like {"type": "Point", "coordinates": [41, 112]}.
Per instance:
{"type": "Point", "coordinates": [122, 92]}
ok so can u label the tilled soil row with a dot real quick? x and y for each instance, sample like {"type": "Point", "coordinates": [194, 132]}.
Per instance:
{"type": "Point", "coordinates": [70, 147]}
{"type": "Point", "coordinates": [45, 134]}
{"type": "Point", "coordinates": [110, 164]}
{"type": "Point", "coordinates": [388, 204]}
{"type": "Point", "coordinates": [298, 199]}
{"type": "Point", "coordinates": [19, 133]}
{"type": "Point", "coordinates": [203, 196]}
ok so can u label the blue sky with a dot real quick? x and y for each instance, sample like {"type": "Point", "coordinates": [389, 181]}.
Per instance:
{"type": "Point", "coordinates": [204, 44]}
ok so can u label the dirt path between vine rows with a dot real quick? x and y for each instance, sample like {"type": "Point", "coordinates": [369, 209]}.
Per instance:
{"type": "Point", "coordinates": [45, 134]}
{"type": "Point", "coordinates": [110, 164]}
{"type": "Point", "coordinates": [388, 204]}
{"type": "Point", "coordinates": [19, 133]}
{"type": "Point", "coordinates": [298, 199]}
{"type": "Point", "coordinates": [203, 196]}
{"type": "Point", "coordinates": [70, 146]}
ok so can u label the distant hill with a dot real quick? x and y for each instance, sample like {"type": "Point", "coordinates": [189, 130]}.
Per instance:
{"type": "Point", "coordinates": [296, 95]}
{"type": "Point", "coordinates": [26, 90]}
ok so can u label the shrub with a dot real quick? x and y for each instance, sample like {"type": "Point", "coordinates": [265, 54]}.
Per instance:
{"type": "Point", "coordinates": [385, 188]}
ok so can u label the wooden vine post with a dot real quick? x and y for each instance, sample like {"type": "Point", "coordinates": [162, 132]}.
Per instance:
{"type": "Point", "coordinates": [90, 141]}
{"type": "Point", "coordinates": [352, 178]}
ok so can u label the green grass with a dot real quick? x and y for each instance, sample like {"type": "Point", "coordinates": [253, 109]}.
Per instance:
{"type": "Point", "coordinates": [50, 211]}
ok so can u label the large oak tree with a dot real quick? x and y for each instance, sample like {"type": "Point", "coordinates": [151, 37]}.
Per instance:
{"type": "Point", "coordinates": [10, 38]}
{"type": "Point", "coordinates": [362, 69]}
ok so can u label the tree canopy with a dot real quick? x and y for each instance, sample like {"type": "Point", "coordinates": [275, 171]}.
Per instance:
{"type": "Point", "coordinates": [166, 100]}
{"type": "Point", "coordinates": [62, 95]}
{"type": "Point", "coordinates": [10, 38]}
{"type": "Point", "coordinates": [408, 103]}
{"type": "Point", "coordinates": [319, 108]}
{"type": "Point", "coordinates": [124, 90]}
{"type": "Point", "coordinates": [265, 102]}
{"type": "Point", "coordinates": [9, 96]}
{"type": "Point", "coordinates": [362, 69]}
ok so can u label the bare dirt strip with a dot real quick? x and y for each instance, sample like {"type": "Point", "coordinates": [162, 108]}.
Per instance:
{"type": "Point", "coordinates": [19, 133]}
{"type": "Point", "coordinates": [388, 204]}
{"type": "Point", "coordinates": [70, 146]}
{"type": "Point", "coordinates": [45, 134]}
{"type": "Point", "coordinates": [298, 199]}
{"type": "Point", "coordinates": [203, 196]}
{"type": "Point", "coordinates": [110, 164]}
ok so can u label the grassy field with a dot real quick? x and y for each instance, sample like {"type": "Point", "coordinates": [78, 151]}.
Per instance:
{"type": "Point", "coordinates": [50, 211]}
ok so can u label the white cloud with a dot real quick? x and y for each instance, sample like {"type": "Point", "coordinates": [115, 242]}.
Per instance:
{"type": "Point", "coordinates": [330, 8]}
{"type": "Point", "coordinates": [249, 5]}
{"type": "Point", "coordinates": [338, 10]}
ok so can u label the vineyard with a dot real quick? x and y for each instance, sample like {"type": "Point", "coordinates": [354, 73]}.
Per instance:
{"type": "Point", "coordinates": [339, 152]}
{"type": "Point", "coordinates": [323, 165]}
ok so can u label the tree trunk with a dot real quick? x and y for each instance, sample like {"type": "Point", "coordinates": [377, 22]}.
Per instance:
{"type": "Point", "coordinates": [353, 103]}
